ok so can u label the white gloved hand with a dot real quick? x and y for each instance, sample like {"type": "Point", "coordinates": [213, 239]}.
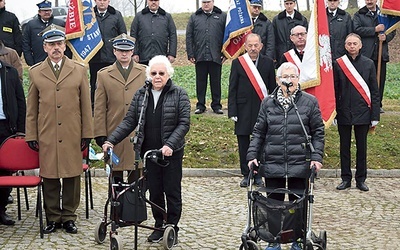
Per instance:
{"type": "Point", "coordinates": [374, 123]}
{"type": "Point", "coordinates": [334, 122]}
{"type": "Point", "coordinates": [234, 118]}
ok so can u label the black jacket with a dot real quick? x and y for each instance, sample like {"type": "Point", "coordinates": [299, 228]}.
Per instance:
{"type": "Point", "coordinates": [10, 30]}
{"type": "Point", "coordinates": [364, 25]}
{"type": "Point", "coordinates": [155, 34]}
{"type": "Point", "coordinates": [351, 108]}
{"type": "Point", "coordinates": [264, 28]}
{"type": "Point", "coordinates": [32, 43]}
{"type": "Point", "coordinates": [111, 25]}
{"type": "Point", "coordinates": [175, 118]}
{"type": "Point", "coordinates": [282, 26]}
{"type": "Point", "coordinates": [12, 93]}
{"type": "Point", "coordinates": [204, 35]}
{"type": "Point", "coordinates": [278, 139]}
{"type": "Point", "coordinates": [340, 26]}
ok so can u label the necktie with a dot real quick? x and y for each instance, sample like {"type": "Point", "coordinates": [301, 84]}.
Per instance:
{"type": "Point", "coordinates": [101, 14]}
{"type": "Point", "coordinates": [301, 52]}
{"type": "Point", "coordinates": [56, 70]}
{"type": "Point", "coordinates": [253, 19]}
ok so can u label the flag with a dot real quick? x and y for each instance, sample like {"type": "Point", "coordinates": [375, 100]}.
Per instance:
{"type": "Point", "coordinates": [390, 7]}
{"type": "Point", "coordinates": [238, 25]}
{"type": "Point", "coordinates": [316, 71]}
{"type": "Point", "coordinates": [391, 22]}
{"type": "Point", "coordinates": [82, 30]}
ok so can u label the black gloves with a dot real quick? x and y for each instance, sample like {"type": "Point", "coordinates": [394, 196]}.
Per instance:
{"type": "Point", "coordinates": [34, 145]}
{"type": "Point", "coordinates": [85, 143]}
{"type": "Point", "coordinates": [100, 140]}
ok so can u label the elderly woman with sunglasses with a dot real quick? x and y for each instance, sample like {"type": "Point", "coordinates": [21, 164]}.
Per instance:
{"type": "Point", "coordinates": [165, 122]}
{"type": "Point", "coordinates": [278, 144]}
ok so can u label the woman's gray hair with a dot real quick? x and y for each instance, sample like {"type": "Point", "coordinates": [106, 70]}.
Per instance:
{"type": "Point", "coordinates": [160, 60]}
{"type": "Point", "coordinates": [287, 65]}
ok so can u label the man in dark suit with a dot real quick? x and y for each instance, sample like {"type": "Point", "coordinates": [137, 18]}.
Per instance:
{"type": "Point", "coordinates": [252, 78]}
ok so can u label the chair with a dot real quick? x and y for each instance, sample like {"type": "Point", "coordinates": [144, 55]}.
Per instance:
{"type": "Point", "coordinates": [16, 156]}
{"type": "Point", "coordinates": [88, 181]}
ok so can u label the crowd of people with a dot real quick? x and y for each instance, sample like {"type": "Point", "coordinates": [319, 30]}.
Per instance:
{"type": "Point", "coordinates": [262, 102]}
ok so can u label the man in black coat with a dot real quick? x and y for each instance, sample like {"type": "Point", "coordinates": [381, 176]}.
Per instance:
{"type": "Point", "coordinates": [12, 121]}
{"type": "Point", "coordinates": [357, 105]}
{"type": "Point", "coordinates": [340, 25]}
{"type": "Point", "coordinates": [366, 24]}
{"type": "Point", "coordinates": [283, 23]}
{"type": "Point", "coordinates": [249, 72]}
{"type": "Point", "coordinates": [263, 27]}
{"type": "Point", "coordinates": [204, 36]}
{"type": "Point", "coordinates": [10, 30]}
{"type": "Point", "coordinates": [155, 34]}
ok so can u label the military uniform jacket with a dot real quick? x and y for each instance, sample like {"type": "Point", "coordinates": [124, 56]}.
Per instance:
{"type": "Point", "coordinates": [59, 115]}
{"type": "Point", "coordinates": [10, 31]}
{"type": "Point", "coordinates": [263, 27]}
{"type": "Point", "coordinates": [243, 100]}
{"type": "Point", "coordinates": [113, 97]}
{"type": "Point", "coordinates": [340, 26]}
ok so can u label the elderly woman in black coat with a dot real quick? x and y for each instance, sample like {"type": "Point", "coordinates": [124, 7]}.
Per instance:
{"type": "Point", "coordinates": [166, 121]}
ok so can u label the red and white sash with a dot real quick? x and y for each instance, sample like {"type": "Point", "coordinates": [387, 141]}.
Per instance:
{"type": "Point", "coordinates": [355, 78]}
{"type": "Point", "coordinates": [254, 76]}
{"type": "Point", "coordinates": [292, 57]}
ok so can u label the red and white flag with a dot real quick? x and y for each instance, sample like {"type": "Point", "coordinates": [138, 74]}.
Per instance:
{"type": "Point", "coordinates": [390, 7]}
{"type": "Point", "coordinates": [316, 71]}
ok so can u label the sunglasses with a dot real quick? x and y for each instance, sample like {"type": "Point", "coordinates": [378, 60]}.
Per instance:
{"type": "Point", "coordinates": [154, 73]}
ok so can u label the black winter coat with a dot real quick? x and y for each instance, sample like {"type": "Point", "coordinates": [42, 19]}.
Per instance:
{"type": "Point", "coordinates": [175, 118]}
{"type": "Point", "coordinates": [111, 25]}
{"type": "Point", "coordinates": [278, 139]}
{"type": "Point", "coordinates": [264, 28]}
{"type": "Point", "coordinates": [282, 26]}
{"type": "Point", "coordinates": [14, 105]}
{"type": "Point", "coordinates": [204, 35]}
{"type": "Point", "coordinates": [340, 26]}
{"type": "Point", "coordinates": [351, 108]}
{"type": "Point", "coordinates": [155, 34]}
{"type": "Point", "coordinates": [364, 25]}
{"type": "Point", "coordinates": [32, 44]}
{"type": "Point", "coordinates": [243, 101]}
{"type": "Point", "coordinates": [10, 30]}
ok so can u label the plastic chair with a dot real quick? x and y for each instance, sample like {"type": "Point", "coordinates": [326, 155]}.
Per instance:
{"type": "Point", "coordinates": [16, 156]}
{"type": "Point", "coordinates": [88, 181]}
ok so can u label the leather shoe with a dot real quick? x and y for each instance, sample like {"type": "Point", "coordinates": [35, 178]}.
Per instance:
{"type": "Point", "coordinates": [10, 199]}
{"type": "Point", "coordinates": [5, 219]}
{"type": "Point", "coordinates": [343, 185]}
{"type": "Point", "coordinates": [362, 186]}
{"type": "Point", "coordinates": [218, 111]}
{"type": "Point", "coordinates": [51, 227]}
{"type": "Point", "coordinates": [244, 182]}
{"type": "Point", "coordinates": [258, 182]}
{"type": "Point", "coordinates": [199, 111]}
{"type": "Point", "coordinates": [70, 227]}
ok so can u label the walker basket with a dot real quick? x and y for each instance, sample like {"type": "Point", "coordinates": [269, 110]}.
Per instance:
{"type": "Point", "coordinates": [126, 207]}
{"type": "Point", "coordinates": [278, 221]}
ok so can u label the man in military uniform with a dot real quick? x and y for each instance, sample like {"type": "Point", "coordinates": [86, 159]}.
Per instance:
{"type": "Point", "coordinates": [10, 30]}
{"type": "Point", "coordinates": [59, 126]}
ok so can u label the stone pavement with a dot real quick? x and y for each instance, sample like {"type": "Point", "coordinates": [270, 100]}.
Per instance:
{"type": "Point", "coordinates": [214, 216]}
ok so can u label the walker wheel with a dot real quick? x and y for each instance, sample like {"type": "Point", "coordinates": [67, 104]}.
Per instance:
{"type": "Point", "coordinates": [251, 245]}
{"type": "Point", "coordinates": [324, 239]}
{"type": "Point", "coordinates": [100, 232]}
{"type": "Point", "coordinates": [169, 237]}
{"type": "Point", "coordinates": [116, 242]}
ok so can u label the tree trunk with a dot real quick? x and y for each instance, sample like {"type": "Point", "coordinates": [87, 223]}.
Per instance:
{"type": "Point", "coordinates": [353, 4]}
{"type": "Point", "coordinates": [197, 4]}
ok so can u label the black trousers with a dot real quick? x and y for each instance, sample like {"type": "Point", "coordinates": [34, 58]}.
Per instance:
{"type": "Point", "coordinates": [4, 192]}
{"type": "Point", "coordinates": [203, 70]}
{"type": "Point", "coordinates": [382, 78]}
{"type": "Point", "coordinates": [93, 68]}
{"type": "Point", "coordinates": [293, 183]}
{"type": "Point", "coordinates": [166, 181]}
{"type": "Point", "coordinates": [243, 144]}
{"type": "Point", "coordinates": [360, 133]}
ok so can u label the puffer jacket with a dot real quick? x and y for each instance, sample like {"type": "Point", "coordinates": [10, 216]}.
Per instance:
{"type": "Point", "coordinates": [155, 34]}
{"type": "Point", "coordinates": [278, 141]}
{"type": "Point", "coordinates": [364, 25]}
{"type": "Point", "coordinates": [111, 25]}
{"type": "Point", "coordinates": [205, 34]}
{"type": "Point", "coordinates": [175, 118]}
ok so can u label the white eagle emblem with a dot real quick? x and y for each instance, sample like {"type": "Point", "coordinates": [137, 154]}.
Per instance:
{"type": "Point", "coordinates": [325, 55]}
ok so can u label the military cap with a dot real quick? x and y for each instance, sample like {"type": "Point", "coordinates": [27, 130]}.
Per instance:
{"type": "Point", "coordinates": [256, 3]}
{"type": "Point", "coordinates": [289, 1]}
{"type": "Point", "coordinates": [53, 33]}
{"type": "Point", "coordinates": [44, 5]}
{"type": "Point", "coordinates": [123, 42]}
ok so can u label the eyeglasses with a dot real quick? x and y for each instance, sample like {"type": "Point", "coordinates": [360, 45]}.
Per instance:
{"type": "Point", "coordinates": [154, 0]}
{"type": "Point", "coordinates": [286, 77]}
{"type": "Point", "coordinates": [299, 34]}
{"type": "Point", "coordinates": [154, 73]}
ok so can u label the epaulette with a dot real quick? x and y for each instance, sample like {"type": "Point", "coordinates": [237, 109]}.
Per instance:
{"type": "Point", "coordinates": [35, 65]}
